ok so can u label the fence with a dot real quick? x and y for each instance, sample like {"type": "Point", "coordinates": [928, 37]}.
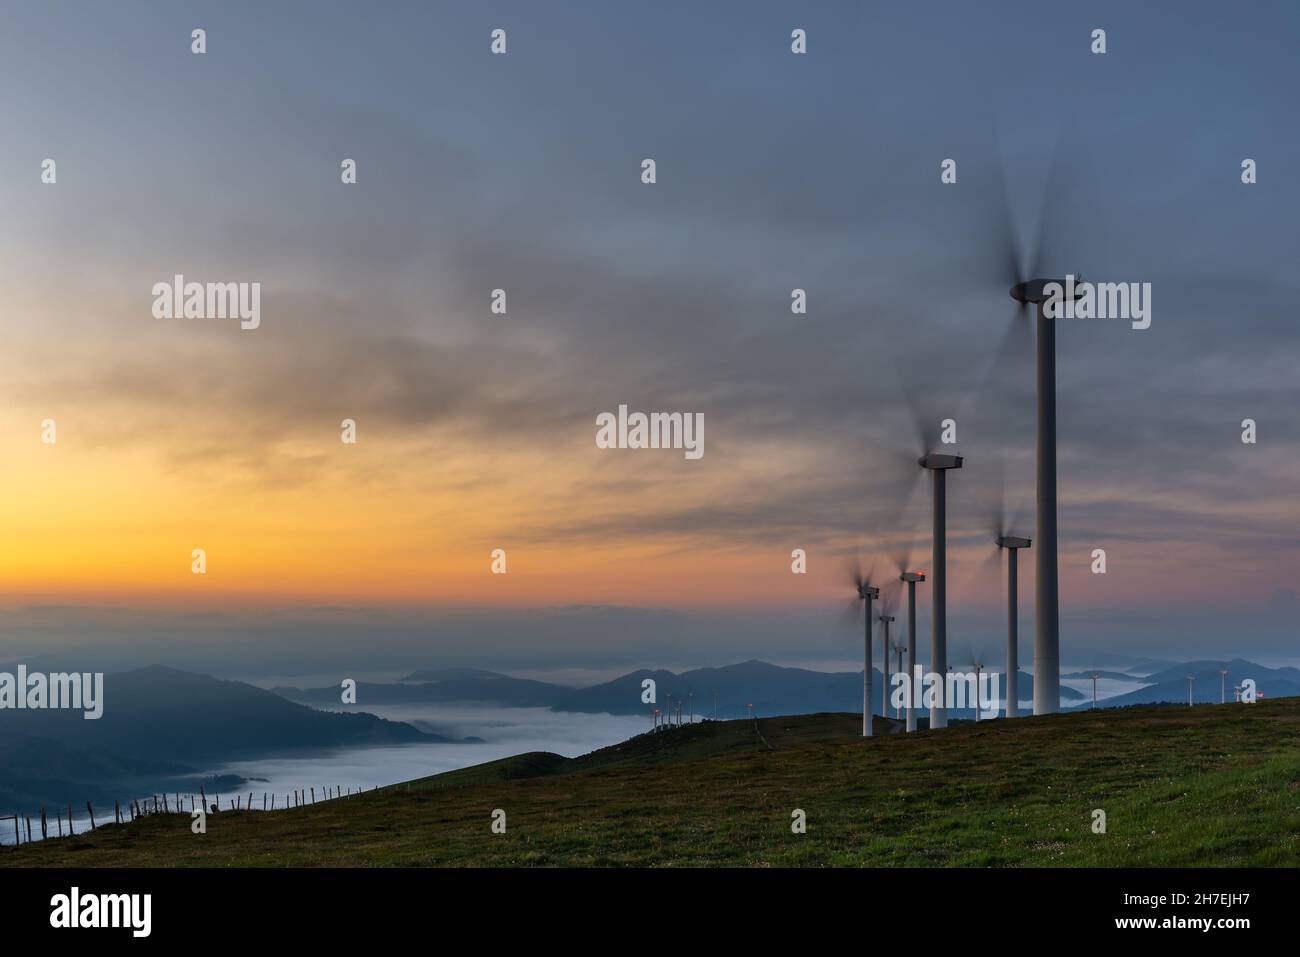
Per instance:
{"type": "Point", "coordinates": [174, 803]}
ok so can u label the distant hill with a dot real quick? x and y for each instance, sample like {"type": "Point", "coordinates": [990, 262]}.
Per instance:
{"type": "Point", "coordinates": [1170, 685]}
{"type": "Point", "coordinates": [450, 674]}
{"type": "Point", "coordinates": [1110, 675]}
{"type": "Point", "coordinates": [509, 692]}
{"type": "Point", "coordinates": [159, 721]}
{"type": "Point", "coordinates": [771, 689]}
{"type": "Point", "coordinates": [45, 771]}
{"type": "Point", "coordinates": [1140, 666]}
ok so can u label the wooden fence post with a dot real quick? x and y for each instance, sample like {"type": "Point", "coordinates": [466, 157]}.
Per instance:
{"type": "Point", "coordinates": [117, 812]}
{"type": "Point", "coordinates": [91, 811]}
{"type": "Point", "coordinates": [44, 833]}
{"type": "Point", "coordinates": [70, 831]}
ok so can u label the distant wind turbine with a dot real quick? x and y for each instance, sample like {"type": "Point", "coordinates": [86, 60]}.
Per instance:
{"type": "Point", "coordinates": [911, 579]}
{"type": "Point", "coordinates": [1013, 544]}
{"type": "Point", "coordinates": [978, 665]}
{"type": "Point", "coordinates": [899, 647]}
{"type": "Point", "coordinates": [884, 667]}
{"type": "Point", "coordinates": [938, 464]}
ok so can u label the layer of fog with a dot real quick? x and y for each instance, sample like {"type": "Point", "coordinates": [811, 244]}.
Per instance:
{"type": "Point", "coordinates": [505, 732]}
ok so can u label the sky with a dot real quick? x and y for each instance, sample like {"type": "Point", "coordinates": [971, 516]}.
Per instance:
{"type": "Point", "coordinates": [476, 431]}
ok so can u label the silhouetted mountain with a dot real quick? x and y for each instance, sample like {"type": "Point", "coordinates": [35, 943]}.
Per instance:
{"type": "Point", "coordinates": [450, 674]}
{"type": "Point", "coordinates": [1170, 685]}
{"type": "Point", "coordinates": [1135, 666]}
{"type": "Point", "coordinates": [509, 692]}
{"type": "Point", "coordinates": [161, 722]}
{"type": "Point", "coordinates": [1110, 675]}
{"type": "Point", "coordinates": [45, 771]}
{"type": "Point", "coordinates": [771, 689]}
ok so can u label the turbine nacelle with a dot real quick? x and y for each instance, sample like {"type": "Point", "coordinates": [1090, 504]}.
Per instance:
{"type": "Point", "coordinates": [938, 461]}
{"type": "Point", "coordinates": [1011, 541]}
{"type": "Point", "coordinates": [886, 617]}
{"type": "Point", "coordinates": [912, 577]}
{"type": "Point", "coordinates": [1034, 291]}
{"type": "Point", "coordinates": [868, 591]}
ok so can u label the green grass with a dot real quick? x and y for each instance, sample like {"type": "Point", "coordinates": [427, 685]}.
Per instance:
{"type": "Point", "coordinates": [1200, 786]}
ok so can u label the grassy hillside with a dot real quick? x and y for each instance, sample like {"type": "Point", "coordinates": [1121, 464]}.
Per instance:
{"type": "Point", "coordinates": [1205, 786]}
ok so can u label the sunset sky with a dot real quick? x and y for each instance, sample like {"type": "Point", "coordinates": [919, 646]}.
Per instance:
{"type": "Point", "coordinates": [476, 431]}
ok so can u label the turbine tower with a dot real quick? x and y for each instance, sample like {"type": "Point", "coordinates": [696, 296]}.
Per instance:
{"type": "Point", "coordinates": [911, 578]}
{"type": "Point", "coordinates": [1223, 685]}
{"type": "Point", "coordinates": [1191, 680]}
{"type": "Point", "coordinates": [1047, 618]}
{"type": "Point", "coordinates": [884, 667]}
{"type": "Point", "coordinates": [979, 667]}
{"type": "Point", "coordinates": [1013, 545]}
{"type": "Point", "coordinates": [938, 464]}
{"type": "Point", "coordinates": [899, 648]}
{"type": "Point", "coordinates": [868, 594]}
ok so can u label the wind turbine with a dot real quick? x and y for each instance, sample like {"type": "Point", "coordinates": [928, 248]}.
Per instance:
{"type": "Point", "coordinates": [1191, 679]}
{"type": "Point", "coordinates": [911, 579]}
{"type": "Point", "coordinates": [868, 594]}
{"type": "Point", "coordinates": [1095, 676]}
{"type": "Point", "coordinates": [884, 668]}
{"type": "Point", "coordinates": [899, 648]}
{"type": "Point", "coordinates": [1019, 261]}
{"type": "Point", "coordinates": [939, 463]}
{"type": "Point", "coordinates": [1013, 545]}
{"type": "Point", "coordinates": [978, 666]}
{"type": "Point", "coordinates": [1223, 685]}
{"type": "Point", "coordinates": [1047, 616]}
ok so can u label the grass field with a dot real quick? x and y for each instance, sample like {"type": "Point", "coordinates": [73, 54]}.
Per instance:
{"type": "Point", "coordinates": [1211, 785]}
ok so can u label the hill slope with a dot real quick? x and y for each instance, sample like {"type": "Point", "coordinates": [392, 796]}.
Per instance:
{"type": "Point", "coordinates": [1180, 786]}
